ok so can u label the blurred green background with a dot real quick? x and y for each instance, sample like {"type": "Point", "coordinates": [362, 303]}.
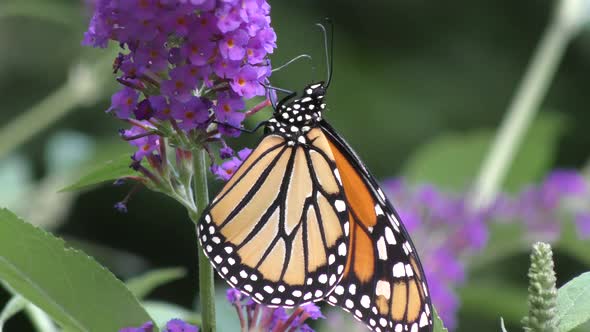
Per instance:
{"type": "Point", "coordinates": [406, 74]}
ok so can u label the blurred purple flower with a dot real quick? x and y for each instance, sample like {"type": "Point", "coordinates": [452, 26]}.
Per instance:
{"type": "Point", "coordinates": [583, 224]}
{"type": "Point", "coordinates": [538, 206]}
{"type": "Point", "coordinates": [178, 325]}
{"type": "Point", "coordinates": [312, 311]}
{"type": "Point", "coordinates": [233, 295]}
{"type": "Point", "coordinates": [174, 325]}
{"type": "Point", "coordinates": [447, 231]}
{"type": "Point", "coordinates": [147, 327]}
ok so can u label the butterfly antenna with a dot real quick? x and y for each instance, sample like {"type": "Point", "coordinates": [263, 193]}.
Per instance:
{"type": "Point", "coordinates": [292, 60]}
{"type": "Point", "coordinates": [329, 49]}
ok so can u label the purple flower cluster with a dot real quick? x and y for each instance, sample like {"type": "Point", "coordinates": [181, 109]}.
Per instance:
{"type": "Point", "coordinates": [256, 317]}
{"type": "Point", "coordinates": [444, 229]}
{"type": "Point", "coordinates": [539, 207]}
{"type": "Point", "coordinates": [185, 64]}
{"type": "Point", "coordinates": [174, 325]}
{"type": "Point", "coordinates": [447, 231]}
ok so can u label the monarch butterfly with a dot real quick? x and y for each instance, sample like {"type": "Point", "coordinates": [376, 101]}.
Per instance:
{"type": "Point", "coordinates": [303, 220]}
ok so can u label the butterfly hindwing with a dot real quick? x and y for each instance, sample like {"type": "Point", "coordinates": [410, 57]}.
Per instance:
{"type": "Point", "coordinates": [383, 283]}
{"type": "Point", "coordinates": [276, 230]}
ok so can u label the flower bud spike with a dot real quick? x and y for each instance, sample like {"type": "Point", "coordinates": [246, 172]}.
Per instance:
{"type": "Point", "coordinates": [542, 291]}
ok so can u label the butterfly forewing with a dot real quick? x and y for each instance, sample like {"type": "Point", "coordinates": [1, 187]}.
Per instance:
{"type": "Point", "coordinates": [383, 283]}
{"type": "Point", "coordinates": [276, 231]}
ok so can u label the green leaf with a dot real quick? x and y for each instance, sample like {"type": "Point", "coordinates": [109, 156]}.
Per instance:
{"type": "Point", "coordinates": [573, 307]}
{"type": "Point", "coordinates": [453, 160]}
{"type": "Point", "coordinates": [13, 307]}
{"type": "Point", "coordinates": [141, 286]}
{"type": "Point", "coordinates": [76, 291]}
{"type": "Point", "coordinates": [162, 312]}
{"type": "Point", "coordinates": [438, 323]}
{"type": "Point", "coordinates": [109, 171]}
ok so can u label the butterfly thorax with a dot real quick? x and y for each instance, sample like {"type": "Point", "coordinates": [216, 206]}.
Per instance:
{"type": "Point", "coordinates": [294, 118]}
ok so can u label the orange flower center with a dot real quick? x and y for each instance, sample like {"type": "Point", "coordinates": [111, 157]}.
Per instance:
{"type": "Point", "coordinates": [230, 43]}
{"type": "Point", "coordinates": [226, 108]}
{"type": "Point", "coordinates": [189, 115]}
{"type": "Point", "coordinates": [241, 81]}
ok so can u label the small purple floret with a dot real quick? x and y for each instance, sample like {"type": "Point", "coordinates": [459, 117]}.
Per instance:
{"type": "Point", "coordinates": [146, 327]}
{"type": "Point", "coordinates": [178, 325]}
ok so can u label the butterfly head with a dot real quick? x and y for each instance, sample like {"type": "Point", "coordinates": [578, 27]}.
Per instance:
{"type": "Point", "coordinates": [294, 117]}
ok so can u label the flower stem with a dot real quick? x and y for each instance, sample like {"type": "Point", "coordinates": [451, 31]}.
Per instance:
{"type": "Point", "coordinates": [206, 282]}
{"type": "Point", "coordinates": [524, 105]}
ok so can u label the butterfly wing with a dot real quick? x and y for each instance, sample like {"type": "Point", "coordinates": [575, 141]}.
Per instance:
{"type": "Point", "coordinates": [383, 283]}
{"type": "Point", "coordinates": [276, 231]}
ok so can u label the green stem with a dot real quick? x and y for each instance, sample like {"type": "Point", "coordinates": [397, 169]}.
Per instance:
{"type": "Point", "coordinates": [206, 282]}
{"type": "Point", "coordinates": [525, 104]}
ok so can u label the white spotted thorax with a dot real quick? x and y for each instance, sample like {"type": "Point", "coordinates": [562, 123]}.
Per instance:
{"type": "Point", "coordinates": [293, 118]}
